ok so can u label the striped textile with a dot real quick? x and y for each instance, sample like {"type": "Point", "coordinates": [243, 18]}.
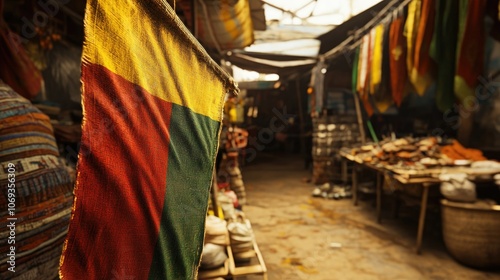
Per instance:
{"type": "Point", "coordinates": [152, 101]}
{"type": "Point", "coordinates": [43, 189]}
{"type": "Point", "coordinates": [25, 131]}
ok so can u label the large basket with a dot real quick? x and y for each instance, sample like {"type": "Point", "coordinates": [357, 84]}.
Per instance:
{"type": "Point", "coordinates": [471, 233]}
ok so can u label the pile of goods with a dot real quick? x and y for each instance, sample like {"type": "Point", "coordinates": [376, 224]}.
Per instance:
{"type": "Point", "coordinates": [216, 239]}
{"type": "Point", "coordinates": [416, 153]}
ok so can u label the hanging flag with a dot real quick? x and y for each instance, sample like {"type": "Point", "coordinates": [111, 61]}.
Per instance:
{"type": "Point", "coordinates": [152, 101]}
{"type": "Point", "coordinates": [421, 76]}
{"type": "Point", "coordinates": [398, 61]}
{"type": "Point", "coordinates": [470, 53]}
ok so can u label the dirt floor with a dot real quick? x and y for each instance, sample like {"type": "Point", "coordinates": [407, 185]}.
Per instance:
{"type": "Point", "coordinates": [302, 237]}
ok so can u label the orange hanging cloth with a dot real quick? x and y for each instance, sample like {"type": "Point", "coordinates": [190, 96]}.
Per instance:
{"type": "Point", "coordinates": [398, 70]}
{"type": "Point", "coordinates": [16, 68]}
{"type": "Point", "coordinates": [421, 76]}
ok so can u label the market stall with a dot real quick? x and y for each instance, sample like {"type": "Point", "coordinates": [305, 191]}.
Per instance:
{"type": "Point", "coordinates": [420, 162]}
{"type": "Point", "coordinates": [423, 76]}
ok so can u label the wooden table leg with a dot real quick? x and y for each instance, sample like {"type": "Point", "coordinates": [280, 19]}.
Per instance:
{"type": "Point", "coordinates": [355, 184]}
{"type": "Point", "coordinates": [344, 172]}
{"type": "Point", "coordinates": [379, 196]}
{"type": "Point", "coordinates": [421, 221]}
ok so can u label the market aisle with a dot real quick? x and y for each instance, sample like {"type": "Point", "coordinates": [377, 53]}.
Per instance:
{"type": "Point", "coordinates": [299, 235]}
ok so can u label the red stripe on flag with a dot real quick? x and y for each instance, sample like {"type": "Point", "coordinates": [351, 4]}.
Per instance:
{"type": "Point", "coordinates": [121, 181]}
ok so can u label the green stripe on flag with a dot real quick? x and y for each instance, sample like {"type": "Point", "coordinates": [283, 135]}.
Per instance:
{"type": "Point", "coordinates": [193, 145]}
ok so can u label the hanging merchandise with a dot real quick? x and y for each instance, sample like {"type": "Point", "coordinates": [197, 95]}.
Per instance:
{"type": "Point", "coordinates": [398, 70]}
{"type": "Point", "coordinates": [355, 69]}
{"type": "Point", "coordinates": [470, 53]}
{"type": "Point", "coordinates": [317, 82]}
{"type": "Point", "coordinates": [443, 51]}
{"type": "Point", "coordinates": [364, 74]}
{"type": "Point", "coordinates": [382, 96]}
{"type": "Point", "coordinates": [362, 64]}
{"type": "Point", "coordinates": [17, 70]}
{"type": "Point", "coordinates": [420, 75]}
{"type": "Point", "coordinates": [411, 31]}
{"type": "Point", "coordinates": [376, 65]}
{"type": "Point", "coordinates": [365, 79]}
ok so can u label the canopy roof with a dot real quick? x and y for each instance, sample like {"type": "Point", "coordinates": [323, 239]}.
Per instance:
{"type": "Point", "coordinates": [304, 47]}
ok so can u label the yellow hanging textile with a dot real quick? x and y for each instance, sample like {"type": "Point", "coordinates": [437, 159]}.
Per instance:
{"type": "Point", "coordinates": [410, 31]}
{"type": "Point", "coordinates": [376, 67]}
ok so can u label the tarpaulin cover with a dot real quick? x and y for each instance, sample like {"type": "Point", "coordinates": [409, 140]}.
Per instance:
{"type": "Point", "coordinates": [152, 101]}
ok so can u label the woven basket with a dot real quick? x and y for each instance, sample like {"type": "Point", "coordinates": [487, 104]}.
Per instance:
{"type": "Point", "coordinates": [471, 233]}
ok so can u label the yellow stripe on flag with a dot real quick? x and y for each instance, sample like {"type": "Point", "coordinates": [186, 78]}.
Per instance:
{"type": "Point", "coordinates": [121, 47]}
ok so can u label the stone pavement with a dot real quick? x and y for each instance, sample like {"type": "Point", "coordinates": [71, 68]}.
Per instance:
{"type": "Point", "coordinates": [302, 237]}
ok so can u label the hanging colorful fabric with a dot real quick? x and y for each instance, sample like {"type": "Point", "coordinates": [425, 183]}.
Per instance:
{"type": "Point", "coordinates": [420, 75]}
{"type": "Point", "coordinates": [16, 68]}
{"type": "Point", "coordinates": [443, 51]}
{"type": "Point", "coordinates": [355, 63]}
{"type": "Point", "coordinates": [376, 65]}
{"type": "Point", "coordinates": [382, 96]}
{"type": "Point", "coordinates": [152, 102]}
{"type": "Point", "coordinates": [398, 70]}
{"type": "Point", "coordinates": [410, 31]}
{"type": "Point", "coordinates": [470, 56]}
{"type": "Point", "coordinates": [366, 92]}
{"type": "Point", "coordinates": [363, 64]}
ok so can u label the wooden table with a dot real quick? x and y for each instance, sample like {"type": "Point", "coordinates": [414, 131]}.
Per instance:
{"type": "Point", "coordinates": [381, 172]}
{"type": "Point", "coordinates": [425, 183]}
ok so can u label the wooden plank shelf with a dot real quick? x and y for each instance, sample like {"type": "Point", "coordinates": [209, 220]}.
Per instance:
{"type": "Point", "coordinates": [222, 271]}
{"type": "Point", "coordinates": [259, 269]}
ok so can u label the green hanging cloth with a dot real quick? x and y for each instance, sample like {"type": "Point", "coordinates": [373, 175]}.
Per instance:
{"type": "Point", "coordinates": [470, 55]}
{"type": "Point", "coordinates": [355, 66]}
{"type": "Point", "coordinates": [443, 51]}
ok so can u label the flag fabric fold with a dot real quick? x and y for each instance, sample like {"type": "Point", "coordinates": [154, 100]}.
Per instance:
{"type": "Point", "coordinates": [152, 100]}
